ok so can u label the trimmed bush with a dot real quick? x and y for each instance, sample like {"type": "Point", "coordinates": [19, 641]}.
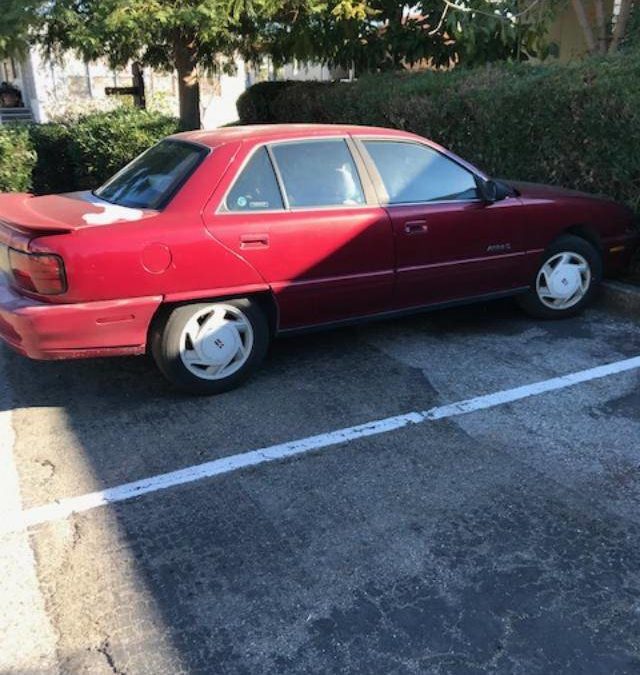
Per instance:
{"type": "Point", "coordinates": [254, 105]}
{"type": "Point", "coordinates": [576, 125]}
{"type": "Point", "coordinates": [79, 154]}
{"type": "Point", "coordinates": [100, 144]}
{"type": "Point", "coordinates": [17, 159]}
{"type": "Point", "coordinates": [53, 171]}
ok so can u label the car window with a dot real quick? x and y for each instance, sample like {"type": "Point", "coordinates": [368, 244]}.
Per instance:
{"type": "Point", "coordinates": [416, 173]}
{"type": "Point", "coordinates": [151, 180]}
{"type": "Point", "coordinates": [318, 173]}
{"type": "Point", "coordinates": [256, 188]}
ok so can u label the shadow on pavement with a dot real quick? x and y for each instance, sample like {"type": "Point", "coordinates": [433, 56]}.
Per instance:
{"type": "Point", "coordinates": [421, 551]}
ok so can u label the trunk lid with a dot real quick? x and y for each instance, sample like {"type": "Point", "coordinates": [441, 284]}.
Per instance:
{"type": "Point", "coordinates": [24, 214]}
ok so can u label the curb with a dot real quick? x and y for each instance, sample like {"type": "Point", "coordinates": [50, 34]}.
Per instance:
{"type": "Point", "coordinates": [621, 297]}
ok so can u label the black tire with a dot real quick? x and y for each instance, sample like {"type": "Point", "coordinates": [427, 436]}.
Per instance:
{"type": "Point", "coordinates": [166, 337]}
{"type": "Point", "coordinates": [532, 303]}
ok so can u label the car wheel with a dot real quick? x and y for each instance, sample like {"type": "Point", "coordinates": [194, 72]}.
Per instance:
{"type": "Point", "coordinates": [210, 348]}
{"type": "Point", "coordinates": [566, 280]}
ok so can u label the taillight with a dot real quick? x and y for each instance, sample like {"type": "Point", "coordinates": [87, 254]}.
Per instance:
{"type": "Point", "coordinates": [41, 273]}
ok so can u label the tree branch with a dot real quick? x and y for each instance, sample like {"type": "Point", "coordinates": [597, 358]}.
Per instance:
{"type": "Point", "coordinates": [581, 14]}
{"type": "Point", "coordinates": [621, 25]}
{"type": "Point", "coordinates": [601, 26]}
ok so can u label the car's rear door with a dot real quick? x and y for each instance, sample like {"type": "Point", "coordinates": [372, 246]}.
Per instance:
{"type": "Point", "coordinates": [302, 213]}
{"type": "Point", "coordinates": [449, 243]}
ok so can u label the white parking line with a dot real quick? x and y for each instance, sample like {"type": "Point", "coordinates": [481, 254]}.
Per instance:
{"type": "Point", "coordinates": [66, 507]}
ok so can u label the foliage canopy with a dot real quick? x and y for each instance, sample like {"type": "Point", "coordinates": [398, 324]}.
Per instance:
{"type": "Point", "coordinates": [189, 35]}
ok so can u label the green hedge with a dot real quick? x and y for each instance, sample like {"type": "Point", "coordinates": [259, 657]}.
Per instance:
{"type": "Point", "coordinates": [577, 125]}
{"type": "Point", "coordinates": [53, 171]}
{"type": "Point", "coordinates": [254, 105]}
{"type": "Point", "coordinates": [17, 159]}
{"type": "Point", "coordinates": [78, 154]}
{"type": "Point", "coordinates": [103, 143]}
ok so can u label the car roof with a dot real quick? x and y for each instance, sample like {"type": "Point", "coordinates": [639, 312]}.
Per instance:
{"type": "Point", "coordinates": [261, 133]}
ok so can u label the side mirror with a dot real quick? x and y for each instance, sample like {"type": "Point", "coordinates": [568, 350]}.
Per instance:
{"type": "Point", "coordinates": [488, 190]}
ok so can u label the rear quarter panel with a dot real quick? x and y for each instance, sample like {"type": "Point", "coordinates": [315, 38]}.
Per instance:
{"type": "Point", "coordinates": [171, 254]}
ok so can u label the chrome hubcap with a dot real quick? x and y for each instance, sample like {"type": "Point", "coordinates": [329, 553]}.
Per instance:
{"type": "Point", "coordinates": [563, 280]}
{"type": "Point", "coordinates": [216, 342]}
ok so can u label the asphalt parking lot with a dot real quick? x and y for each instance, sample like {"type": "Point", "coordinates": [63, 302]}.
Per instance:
{"type": "Point", "coordinates": [505, 540]}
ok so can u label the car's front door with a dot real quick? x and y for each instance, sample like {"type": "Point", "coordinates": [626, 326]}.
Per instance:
{"type": "Point", "coordinates": [450, 244]}
{"type": "Point", "coordinates": [302, 214]}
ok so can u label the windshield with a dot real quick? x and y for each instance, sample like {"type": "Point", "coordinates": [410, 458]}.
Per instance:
{"type": "Point", "coordinates": [151, 180]}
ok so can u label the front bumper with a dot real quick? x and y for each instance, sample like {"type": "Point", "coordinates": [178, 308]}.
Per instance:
{"type": "Point", "coordinates": [48, 331]}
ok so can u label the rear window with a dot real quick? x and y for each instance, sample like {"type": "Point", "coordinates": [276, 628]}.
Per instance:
{"type": "Point", "coordinates": [153, 178]}
{"type": "Point", "coordinates": [256, 189]}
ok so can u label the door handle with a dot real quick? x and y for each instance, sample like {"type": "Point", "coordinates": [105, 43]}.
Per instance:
{"type": "Point", "coordinates": [254, 241]}
{"type": "Point", "coordinates": [416, 226]}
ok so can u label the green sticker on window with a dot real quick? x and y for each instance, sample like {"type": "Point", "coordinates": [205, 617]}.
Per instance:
{"type": "Point", "coordinates": [242, 202]}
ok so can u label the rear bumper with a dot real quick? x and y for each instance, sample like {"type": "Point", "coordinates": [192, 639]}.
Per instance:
{"type": "Point", "coordinates": [47, 331]}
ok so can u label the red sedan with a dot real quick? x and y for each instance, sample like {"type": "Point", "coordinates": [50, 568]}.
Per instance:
{"type": "Point", "coordinates": [211, 243]}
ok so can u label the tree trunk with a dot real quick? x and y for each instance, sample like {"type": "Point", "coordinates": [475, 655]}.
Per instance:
{"type": "Point", "coordinates": [621, 25]}
{"type": "Point", "coordinates": [601, 26]}
{"type": "Point", "coordinates": [581, 14]}
{"type": "Point", "coordinates": [188, 84]}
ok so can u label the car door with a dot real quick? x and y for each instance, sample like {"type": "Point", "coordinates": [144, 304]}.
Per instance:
{"type": "Point", "coordinates": [450, 244]}
{"type": "Point", "coordinates": [304, 216]}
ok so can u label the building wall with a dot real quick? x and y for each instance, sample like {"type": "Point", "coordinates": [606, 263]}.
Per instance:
{"type": "Point", "coordinates": [565, 32]}
{"type": "Point", "coordinates": [297, 70]}
{"type": "Point", "coordinates": [303, 71]}
{"type": "Point", "coordinates": [55, 89]}
{"type": "Point", "coordinates": [219, 102]}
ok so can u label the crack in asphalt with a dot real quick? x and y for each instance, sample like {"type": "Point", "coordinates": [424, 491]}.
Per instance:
{"type": "Point", "coordinates": [105, 650]}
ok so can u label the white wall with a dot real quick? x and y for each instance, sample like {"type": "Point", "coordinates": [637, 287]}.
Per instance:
{"type": "Point", "coordinates": [304, 71]}
{"type": "Point", "coordinates": [221, 109]}
{"type": "Point", "coordinates": [58, 89]}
